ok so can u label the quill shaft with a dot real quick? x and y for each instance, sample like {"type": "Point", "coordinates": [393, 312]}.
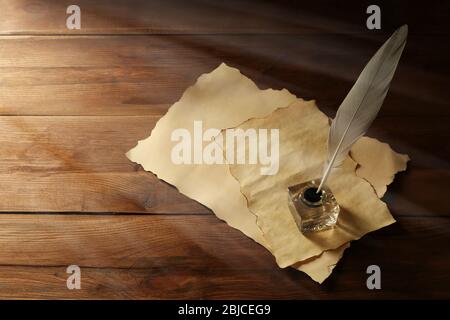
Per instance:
{"type": "Point", "coordinates": [330, 165]}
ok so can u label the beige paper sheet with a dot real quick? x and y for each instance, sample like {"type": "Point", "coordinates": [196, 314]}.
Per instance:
{"type": "Point", "coordinates": [382, 163]}
{"type": "Point", "coordinates": [320, 267]}
{"type": "Point", "coordinates": [303, 144]}
{"type": "Point", "coordinates": [222, 99]}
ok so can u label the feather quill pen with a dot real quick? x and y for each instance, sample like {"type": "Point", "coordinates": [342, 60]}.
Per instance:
{"type": "Point", "coordinates": [361, 105]}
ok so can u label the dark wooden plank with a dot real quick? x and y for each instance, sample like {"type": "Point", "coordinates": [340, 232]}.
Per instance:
{"type": "Point", "coordinates": [78, 163]}
{"type": "Point", "coordinates": [412, 255]}
{"type": "Point", "coordinates": [115, 192]}
{"type": "Point", "coordinates": [424, 139]}
{"type": "Point", "coordinates": [146, 74]}
{"type": "Point", "coordinates": [197, 257]}
{"type": "Point", "coordinates": [142, 192]}
{"type": "Point", "coordinates": [47, 145]}
{"type": "Point", "coordinates": [233, 16]}
{"type": "Point", "coordinates": [58, 144]}
{"type": "Point", "coordinates": [91, 91]}
{"type": "Point", "coordinates": [413, 193]}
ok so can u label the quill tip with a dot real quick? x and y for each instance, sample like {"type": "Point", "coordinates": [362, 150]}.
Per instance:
{"type": "Point", "coordinates": [400, 35]}
{"type": "Point", "coordinates": [403, 30]}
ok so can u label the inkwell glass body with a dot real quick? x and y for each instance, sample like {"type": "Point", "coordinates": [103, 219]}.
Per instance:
{"type": "Point", "coordinates": [313, 211]}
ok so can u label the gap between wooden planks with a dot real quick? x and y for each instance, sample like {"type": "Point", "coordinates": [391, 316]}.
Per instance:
{"type": "Point", "coordinates": [178, 257]}
{"type": "Point", "coordinates": [119, 75]}
{"type": "Point", "coordinates": [233, 16]}
{"type": "Point", "coordinates": [70, 164]}
{"type": "Point", "coordinates": [78, 163]}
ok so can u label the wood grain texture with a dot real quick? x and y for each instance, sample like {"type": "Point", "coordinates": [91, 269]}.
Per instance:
{"type": "Point", "coordinates": [173, 257]}
{"type": "Point", "coordinates": [73, 102]}
{"type": "Point", "coordinates": [140, 75]}
{"type": "Point", "coordinates": [138, 192]}
{"type": "Point", "coordinates": [99, 143]}
{"type": "Point", "coordinates": [73, 163]}
{"type": "Point", "coordinates": [208, 16]}
{"type": "Point", "coordinates": [141, 192]}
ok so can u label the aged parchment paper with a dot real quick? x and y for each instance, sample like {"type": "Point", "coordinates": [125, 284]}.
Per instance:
{"type": "Point", "coordinates": [382, 163]}
{"type": "Point", "coordinates": [221, 99]}
{"type": "Point", "coordinates": [303, 147]}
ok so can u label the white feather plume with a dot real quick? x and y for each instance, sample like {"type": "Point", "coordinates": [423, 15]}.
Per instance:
{"type": "Point", "coordinates": [362, 103]}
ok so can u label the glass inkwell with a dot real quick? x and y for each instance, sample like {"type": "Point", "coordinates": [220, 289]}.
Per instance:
{"type": "Point", "coordinates": [312, 210]}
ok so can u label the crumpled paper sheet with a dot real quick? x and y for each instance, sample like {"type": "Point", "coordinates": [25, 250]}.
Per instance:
{"type": "Point", "coordinates": [223, 98]}
{"type": "Point", "coordinates": [303, 150]}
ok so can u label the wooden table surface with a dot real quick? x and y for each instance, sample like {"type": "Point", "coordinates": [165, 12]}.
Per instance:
{"type": "Point", "coordinates": [72, 102]}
